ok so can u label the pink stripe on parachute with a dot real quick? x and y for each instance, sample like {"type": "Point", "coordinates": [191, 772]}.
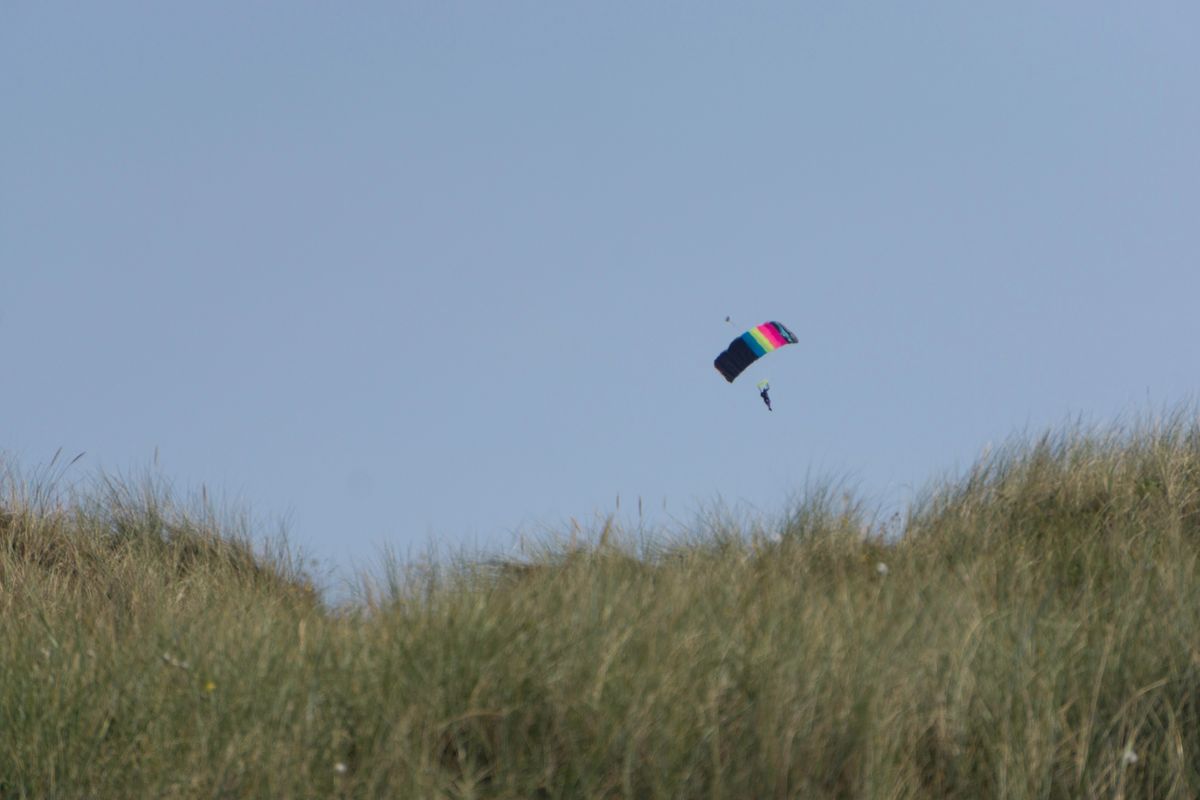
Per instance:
{"type": "Point", "coordinates": [768, 330]}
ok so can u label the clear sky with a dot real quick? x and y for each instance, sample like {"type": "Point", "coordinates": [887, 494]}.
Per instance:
{"type": "Point", "coordinates": [411, 272]}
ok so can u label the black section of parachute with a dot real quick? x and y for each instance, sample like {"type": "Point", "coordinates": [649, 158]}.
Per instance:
{"type": "Point", "coordinates": [735, 359]}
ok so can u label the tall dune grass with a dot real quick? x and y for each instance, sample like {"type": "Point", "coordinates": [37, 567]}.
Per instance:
{"type": "Point", "coordinates": [1033, 631]}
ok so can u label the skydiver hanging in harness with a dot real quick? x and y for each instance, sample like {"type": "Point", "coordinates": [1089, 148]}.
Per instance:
{"type": "Point", "coordinates": [765, 387]}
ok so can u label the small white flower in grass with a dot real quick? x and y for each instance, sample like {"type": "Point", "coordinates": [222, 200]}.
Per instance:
{"type": "Point", "coordinates": [882, 569]}
{"type": "Point", "coordinates": [340, 768]}
{"type": "Point", "coordinates": [777, 538]}
{"type": "Point", "coordinates": [175, 662]}
{"type": "Point", "coordinates": [1129, 758]}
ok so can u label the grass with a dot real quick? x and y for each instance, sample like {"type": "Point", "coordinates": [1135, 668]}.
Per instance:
{"type": "Point", "coordinates": [1029, 629]}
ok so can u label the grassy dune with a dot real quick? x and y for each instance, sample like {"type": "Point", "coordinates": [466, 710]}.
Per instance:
{"type": "Point", "coordinates": [1034, 632]}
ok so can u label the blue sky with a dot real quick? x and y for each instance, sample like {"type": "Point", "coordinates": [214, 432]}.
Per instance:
{"type": "Point", "coordinates": [402, 273]}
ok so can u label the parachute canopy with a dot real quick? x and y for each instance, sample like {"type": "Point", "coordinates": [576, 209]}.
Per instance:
{"type": "Point", "coordinates": [747, 348]}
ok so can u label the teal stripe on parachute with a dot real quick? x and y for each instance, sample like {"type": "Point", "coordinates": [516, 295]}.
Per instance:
{"type": "Point", "coordinates": [758, 349]}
